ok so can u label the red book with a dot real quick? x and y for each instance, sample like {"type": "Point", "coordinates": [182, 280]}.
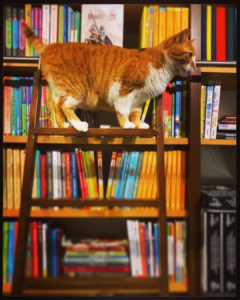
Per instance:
{"type": "Point", "coordinates": [59, 251]}
{"type": "Point", "coordinates": [221, 33]}
{"type": "Point", "coordinates": [15, 235]}
{"type": "Point", "coordinates": [68, 180]}
{"type": "Point", "coordinates": [143, 252]}
{"type": "Point", "coordinates": [80, 174]}
{"type": "Point", "coordinates": [85, 188]}
{"type": "Point", "coordinates": [34, 248]}
{"type": "Point", "coordinates": [40, 253]}
{"type": "Point", "coordinates": [43, 175]}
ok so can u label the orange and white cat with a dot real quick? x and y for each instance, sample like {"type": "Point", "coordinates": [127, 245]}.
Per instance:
{"type": "Point", "coordinates": [96, 77]}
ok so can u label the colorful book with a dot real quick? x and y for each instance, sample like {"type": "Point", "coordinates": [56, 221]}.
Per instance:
{"type": "Point", "coordinates": [8, 30]}
{"type": "Point", "coordinates": [131, 176]}
{"type": "Point", "coordinates": [15, 31]}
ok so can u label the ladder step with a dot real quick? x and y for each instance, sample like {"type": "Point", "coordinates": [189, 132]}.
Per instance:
{"type": "Point", "coordinates": [97, 132]}
{"type": "Point", "coordinates": [90, 202]}
{"type": "Point", "coordinates": [104, 283]}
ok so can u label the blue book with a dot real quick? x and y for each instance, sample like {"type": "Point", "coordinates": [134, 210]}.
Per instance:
{"type": "Point", "coordinates": [70, 17]}
{"type": "Point", "coordinates": [131, 175]}
{"type": "Point", "coordinates": [139, 166]}
{"type": "Point", "coordinates": [177, 109]}
{"type": "Point", "coordinates": [10, 251]}
{"type": "Point", "coordinates": [124, 178]}
{"type": "Point", "coordinates": [54, 272]}
{"type": "Point", "coordinates": [156, 249]}
{"type": "Point", "coordinates": [65, 26]}
{"type": "Point", "coordinates": [203, 32]}
{"type": "Point", "coordinates": [18, 108]}
{"type": "Point", "coordinates": [213, 32]}
{"type": "Point", "coordinates": [23, 107]}
{"type": "Point", "coordinates": [121, 173]}
{"type": "Point", "coordinates": [15, 31]}
{"type": "Point", "coordinates": [74, 175]}
{"type": "Point", "coordinates": [49, 175]}
{"type": "Point", "coordinates": [38, 173]}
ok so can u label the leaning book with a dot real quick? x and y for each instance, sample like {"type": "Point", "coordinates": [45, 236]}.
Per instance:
{"type": "Point", "coordinates": [102, 24]}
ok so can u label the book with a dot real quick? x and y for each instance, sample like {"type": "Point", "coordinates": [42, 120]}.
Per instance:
{"type": "Point", "coordinates": [215, 109]}
{"type": "Point", "coordinates": [169, 20]}
{"type": "Point", "coordinates": [209, 32]}
{"type": "Point", "coordinates": [203, 32]}
{"type": "Point", "coordinates": [177, 20]}
{"type": "Point", "coordinates": [208, 111]}
{"type": "Point", "coordinates": [162, 24]}
{"type": "Point", "coordinates": [213, 42]}
{"type": "Point", "coordinates": [53, 23]}
{"type": "Point", "coordinates": [131, 175]}
{"type": "Point", "coordinates": [102, 24]}
{"type": "Point", "coordinates": [221, 33]}
{"type": "Point", "coordinates": [60, 23]}
{"type": "Point", "coordinates": [46, 23]}
{"type": "Point", "coordinates": [5, 252]}
{"type": "Point", "coordinates": [143, 25]}
{"type": "Point", "coordinates": [203, 109]}
{"type": "Point", "coordinates": [15, 31]}
{"type": "Point", "coordinates": [111, 174]}
{"type": "Point", "coordinates": [8, 30]}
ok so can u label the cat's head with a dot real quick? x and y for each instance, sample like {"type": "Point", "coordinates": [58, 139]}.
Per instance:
{"type": "Point", "coordinates": [180, 53]}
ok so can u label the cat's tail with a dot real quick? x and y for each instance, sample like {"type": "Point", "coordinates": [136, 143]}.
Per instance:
{"type": "Point", "coordinates": [33, 39]}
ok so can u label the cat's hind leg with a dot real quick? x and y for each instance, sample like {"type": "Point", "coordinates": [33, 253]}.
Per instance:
{"type": "Point", "coordinates": [60, 119]}
{"type": "Point", "coordinates": [68, 107]}
{"type": "Point", "coordinates": [135, 117]}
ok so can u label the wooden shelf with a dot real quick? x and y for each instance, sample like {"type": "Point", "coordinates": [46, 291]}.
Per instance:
{"type": "Point", "coordinates": [218, 142]}
{"type": "Point", "coordinates": [97, 213]}
{"type": "Point", "coordinates": [150, 286]}
{"type": "Point", "coordinates": [228, 70]}
{"type": "Point", "coordinates": [93, 140]}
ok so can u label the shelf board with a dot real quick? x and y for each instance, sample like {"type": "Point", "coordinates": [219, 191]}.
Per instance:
{"type": "Point", "coordinates": [218, 142]}
{"type": "Point", "coordinates": [97, 213]}
{"type": "Point", "coordinates": [217, 66]}
{"type": "Point", "coordinates": [229, 70]}
{"type": "Point", "coordinates": [94, 140]}
{"type": "Point", "coordinates": [97, 285]}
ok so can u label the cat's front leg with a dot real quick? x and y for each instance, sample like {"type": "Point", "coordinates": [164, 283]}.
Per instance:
{"type": "Point", "coordinates": [124, 122]}
{"type": "Point", "coordinates": [135, 117]}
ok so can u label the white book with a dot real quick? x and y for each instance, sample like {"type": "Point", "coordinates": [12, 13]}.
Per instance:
{"type": "Point", "coordinates": [46, 23]}
{"type": "Point", "coordinates": [131, 247]}
{"type": "Point", "coordinates": [151, 255]}
{"type": "Point", "coordinates": [170, 242]}
{"type": "Point", "coordinates": [54, 23]}
{"type": "Point", "coordinates": [215, 110]}
{"type": "Point", "coordinates": [227, 126]}
{"type": "Point", "coordinates": [44, 250]}
{"type": "Point", "coordinates": [139, 267]}
{"type": "Point", "coordinates": [208, 114]}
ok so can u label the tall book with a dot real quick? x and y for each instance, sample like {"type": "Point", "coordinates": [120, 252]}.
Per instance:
{"type": "Point", "coordinates": [230, 32]}
{"type": "Point", "coordinates": [209, 32]}
{"type": "Point", "coordinates": [221, 33]}
{"type": "Point", "coordinates": [208, 113]}
{"type": "Point", "coordinates": [162, 24]}
{"type": "Point", "coordinates": [8, 30]}
{"type": "Point", "coordinates": [15, 31]}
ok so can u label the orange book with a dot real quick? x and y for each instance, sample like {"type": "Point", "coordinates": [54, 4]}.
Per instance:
{"type": "Point", "coordinates": [169, 20]}
{"type": "Point", "coordinates": [5, 178]}
{"type": "Point", "coordinates": [178, 180]}
{"type": "Point", "coordinates": [184, 18]}
{"type": "Point", "coordinates": [16, 178]}
{"type": "Point", "coordinates": [143, 251]}
{"type": "Point", "coordinates": [183, 179]}
{"type": "Point", "coordinates": [151, 176]}
{"type": "Point", "coordinates": [7, 109]}
{"type": "Point", "coordinates": [10, 193]}
{"type": "Point", "coordinates": [168, 179]}
{"type": "Point", "coordinates": [142, 175]}
{"type": "Point", "coordinates": [155, 25]}
{"type": "Point", "coordinates": [147, 175]}
{"type": "Point", "coordinates": [155, 186]}
{"type": "Point", "coordinates": [177, 20]}
{"type": "Point", "coordinates": [162, 24]}
{"type": "Point", "coordinates": [174, 180]}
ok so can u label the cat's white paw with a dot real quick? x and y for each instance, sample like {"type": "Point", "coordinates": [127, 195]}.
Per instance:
{"type": "Point", "coordinates": [129, 125]}
{"type": "Point", "coordinates": [80, 126]}
{"type": "Point", "coordinates": [66, 125]}
{"type": "Point", "coordinates": [143, 125]}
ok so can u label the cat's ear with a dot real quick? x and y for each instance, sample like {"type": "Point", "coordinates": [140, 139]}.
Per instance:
{"type": "Point", "coordinates": [177, 38]}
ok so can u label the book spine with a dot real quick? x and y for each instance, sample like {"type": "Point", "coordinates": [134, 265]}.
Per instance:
{"type": "Point", "coordinates": [59, 174]}
{"type": "Point", "coordinates": [203, 32]}
{"type": "Point", "coordinates": [213, 25]}
{"type": "Point", "coordinates": [10, 251]}
{"type": "Point", "coordinates": [162, 24]}
{"type": "Point", "coordinates": [65, 31]}
{"type": "Point", "coordinates": [49, 175]}
{"type": "Point", "coordinates": [138, 170]}
{"type": "Point", "coordinates": [28, 8]}
{"type": "Point", "coordinates": [40, 253]}
{"type": "Point", "coordinates": [208, 113]}
{"type": "Point", "coordinates": [100, 175]}
{"type": "Point", "coordinates": [13, 110]}
{"type": "Point", "coordinates": [18, 107]}
{"type": "Point", "coordinates": [215, 110]}
{"type": "Point", "coordinates": [34, 249]}
{"type": "Point", "coordinates": [60, 23]}
{"type": "Point", "coordinates": [111, 173]}
{"type": "Point", "coordinates": [7, 109]}
{"type": "Point", "coordinates": [209, 32]}
{"type": "Point", "coordinates": [178, 110]}
{"type": "Point", "coordinates": [143, 249]}
{"type": "Point", "coordinates": [230, 33]}
{"type": "Point", "coordinates": [44, 250]}
{"type": "Point", "coordinates": [77, 26]}
{"type": "Point", "coordinates": [36, 25]}
{"type": "Point", "coordinates": [8, 30]}
{"type": "Point", "coordinates": [54, 252]}
{"type": "Point", "coordinates": [68, 179]}
{"type": "Point", "coordinates": [221, 33]}
{"type": "Point", "coordinates": [74, 176]}
{"type": "Point", "coordinates": [203, 109]}
{"type": "Point", "coordinates": [156, 250]}
{"type": "Point", "coordinates": [46, 23]}
{"type": "Point", "coordinates": [53, 23]}
{"type": "Point", "coordinates": [40, 23]}
{"type": "Point", "coordinates": [85, 191]}
{"type": "Point", "coordinates": [24, 109]}
{"type": "Point", "coordinates": [15, 32]}
{"type": "Point", "coordinates": [5, 252]}
{"type": "Point", "coordinates": [55, 174]}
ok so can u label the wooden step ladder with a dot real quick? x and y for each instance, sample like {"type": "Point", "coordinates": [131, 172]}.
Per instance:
{"type": "Point", "coordinates": [20, 283]}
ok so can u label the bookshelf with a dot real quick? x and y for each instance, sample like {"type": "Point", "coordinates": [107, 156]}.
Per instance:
{"type": "Point", "coordinates": [134, 139]}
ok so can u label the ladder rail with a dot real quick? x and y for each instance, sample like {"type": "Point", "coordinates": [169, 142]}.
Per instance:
{"type": "Point", "coordinates": [26, 192]}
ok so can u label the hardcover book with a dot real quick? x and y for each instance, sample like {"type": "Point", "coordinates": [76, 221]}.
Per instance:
{"type": "Point", "coordinates": [102, 24]}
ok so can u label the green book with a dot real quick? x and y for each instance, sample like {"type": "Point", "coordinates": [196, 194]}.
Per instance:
{"type": "Point", "coordinates": [8, 30]}
{"type": "Point", "coordinates": [77, 26]}
{"type": "Point", "coordinates": [5, 251]}
{"type": "Point", "coordinates": [24, 110]}
{"type": "Point", "coordinates": [230, 32]}
{"type": "Point", "coordinates": [60, 23]}
{"type": "Point", "coordinates": [13, 110]}
{"type": "Point", "coordinates": [88, 174]}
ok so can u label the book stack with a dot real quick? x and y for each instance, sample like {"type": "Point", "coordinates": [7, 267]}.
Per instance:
{"type": "Point", "coordinates": [95, 257]}
{"type": "Point", "coordinates": [227, 127]}
{"type": "Point", "coordinates": [70, 175]}
{"type": "Point", "coordinates": [177, 258]}
{"type": "Point", "coordinates": [219, 222]}
{"type": "Point", "coordinates": [218, 33]}
{"type": "Point", "coordinates": [159, 23]}
{"type": "Point", "coordinates": [210, 100]}
{"type": "Point", "coordinates": [52, 23]}
{"type": "Point", "coordinates": [144, 248]}
{"type": "Point", "coordinates": [174, 108]}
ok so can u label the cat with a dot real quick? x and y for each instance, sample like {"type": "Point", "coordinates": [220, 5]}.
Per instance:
{"type": "Point", "coordinates": [98, 77]}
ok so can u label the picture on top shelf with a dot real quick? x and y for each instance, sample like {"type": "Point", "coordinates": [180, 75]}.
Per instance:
{"type": "Point", "coordinates": [102, 24]}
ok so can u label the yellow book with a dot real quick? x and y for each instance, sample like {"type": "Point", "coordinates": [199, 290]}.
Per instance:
{"type": "Point", "coordinates": [60, 23]}
{"type": "Point", "coordinates": [173, 185]}
{"type": "Point", "coordinates": [209, 32]}
{"type": "Point", "coordinates": [178, 180]}
{"type": "Point", "coordinates": [10, 178]}
{"type": "Point", "coordinates": [162, 24]}
{"type": "Point", "coordinates": [17, 166]}
{"type": "Point", "coordinates": [144, 28]}
{"type": "Point", "coordinates": [151, 176]}
{"type": "Point", "coordinates": [93, 173]}
{"type": "Point", "coordinates": [184, 18]}
{"type": "Point", "coordinates": [28, 11]}
{"type": "Point", "coordinates": [111, 174]}
{"type": "Point", "coordinates": [169, 24]}
{"type": "Point", "coordinates": [89, 173]}
{"type": "Point", "coordinates": [155, 25]}
{"type": "Point", "coordinates": [147, 175]}
{"type": "Point", "coordinates": [34, 188]}
{"type": "Point", "coordinates": [177, 20]}
{"type": "Point", "coordinates": [100, 175]}
{"type": "Point", "coordinates": [203, 102]}
{"type": "Point", "coordinates": [142, 175]}
{"type": "Point", "coordinates": [168, 179]}
{"type": "Point", "coordinates": [155, 186]}
{"type": "Point", "coordinates": [183, 179]}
